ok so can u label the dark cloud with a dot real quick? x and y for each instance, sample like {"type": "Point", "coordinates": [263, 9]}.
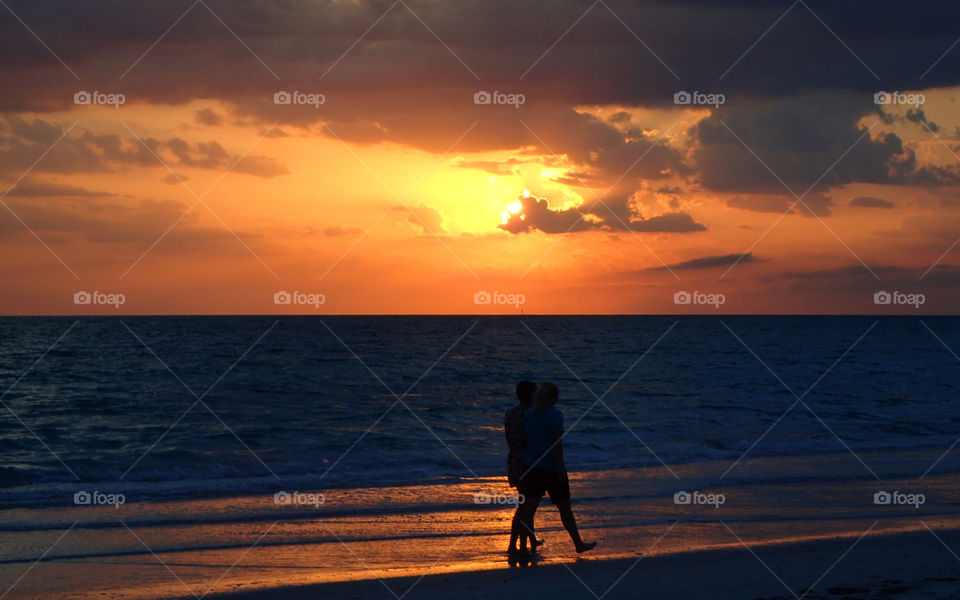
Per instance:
{"type": "Point", "coordinates": [299, 40]}
{"type": "Point", "coordinates": [871, 202]}
{"type": "Point", "coordinates": [796, 141]}
{"type": "Point", "coordinates": [536, 214]}
{"type": "Point", "coordinates": [812, 205]}
{"type": "Point", "coordinates": [670, 190]}
{"type": "Point", "coordinates": [855, 277]}
{"type": "Point", "coordinates": [400, 85]}
{"type": "Point", "coordinates": [755, 203]}
{"type": "Point", "coordinates": [47, 189]}
{"type": "Point", "coordinates": [133, 224]}
{"type": "Point", "coordinates": [674, 222]}
{"type": "Point", "coordinates": [206, 116]}
{"type": "Point", "coordinates": [918, 116]}
{"type": "Point", "coordinates": [815, 205]}
{"type": "Point", "coordinates": [710, 262]}
{"type": "Point", "coordinates": [23, 142]}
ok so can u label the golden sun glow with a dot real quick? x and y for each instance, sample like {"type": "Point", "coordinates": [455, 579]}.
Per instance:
{"type": "Point", "coordinates": [513, 208]}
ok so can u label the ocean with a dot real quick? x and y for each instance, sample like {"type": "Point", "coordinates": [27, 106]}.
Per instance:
{"type": "Point", "coordinates": [196, 407]}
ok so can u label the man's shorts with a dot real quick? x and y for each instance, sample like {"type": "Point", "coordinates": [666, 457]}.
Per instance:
{"type": "Point", "coordinates": [534, 483]}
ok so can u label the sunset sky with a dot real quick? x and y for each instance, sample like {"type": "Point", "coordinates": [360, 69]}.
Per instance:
{"type": "Point", "coordinates": [802, 192]}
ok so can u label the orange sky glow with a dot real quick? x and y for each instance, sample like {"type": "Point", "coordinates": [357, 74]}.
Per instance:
{"type": "Point", "coordinates": [409, 197]}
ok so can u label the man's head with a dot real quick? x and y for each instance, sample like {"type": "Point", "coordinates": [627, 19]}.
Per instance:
{"type": "Point", "coordinates": [547, 395]}
{"type": "Point", "coordinates": [525, 391]}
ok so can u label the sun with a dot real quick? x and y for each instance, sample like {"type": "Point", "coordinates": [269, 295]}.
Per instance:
{"type": "Point", "coordinates": [512, 209]}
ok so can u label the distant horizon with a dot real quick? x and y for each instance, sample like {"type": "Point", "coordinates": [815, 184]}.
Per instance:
{"type": "Point", "coordinates": [479, 315]}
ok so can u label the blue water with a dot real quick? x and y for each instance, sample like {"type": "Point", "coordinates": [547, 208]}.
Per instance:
{"type": "Point", "coordinates": [301, 407]}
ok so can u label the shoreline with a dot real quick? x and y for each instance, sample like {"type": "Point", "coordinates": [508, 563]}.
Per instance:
{"type": "Point", "coordinates": [909, 564]}
{"type": "Point", "coordinates": [250, 544]}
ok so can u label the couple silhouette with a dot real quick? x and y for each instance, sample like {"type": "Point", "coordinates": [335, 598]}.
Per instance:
{"type": "Point", "coordinates": [535, 466]}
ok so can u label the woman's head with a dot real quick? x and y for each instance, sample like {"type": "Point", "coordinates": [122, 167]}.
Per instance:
{"type": "Point", "coordinates": [546, 396]}
{"type": "Point", "coordinates": [525, 392]}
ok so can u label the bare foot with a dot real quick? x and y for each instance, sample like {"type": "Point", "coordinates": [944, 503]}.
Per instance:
{"type": "Point", "coordinates": [586, 547]}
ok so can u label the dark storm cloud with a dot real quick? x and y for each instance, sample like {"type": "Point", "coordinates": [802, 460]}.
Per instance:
{"type": "Point", "coordinates": [536, 214]}
{"type": "Point", "coordinates": [299, 40]}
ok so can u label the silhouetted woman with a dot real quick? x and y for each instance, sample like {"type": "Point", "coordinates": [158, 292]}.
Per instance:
{"type": "Point", "coordinates": [517, 442]}
{"type": "Point", "coordinates": [544, 469]}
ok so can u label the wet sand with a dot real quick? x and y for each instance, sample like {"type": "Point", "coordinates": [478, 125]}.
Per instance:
{"type": "Point", "coordinates": [907, 565]}
{"type": "Point", "coordinates": [795, 518]}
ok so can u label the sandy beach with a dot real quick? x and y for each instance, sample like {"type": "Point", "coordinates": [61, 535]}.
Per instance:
{"type": "Point", "coordinates": [909, 565]}
{"type": "Point", "coordinates": [437, 540]}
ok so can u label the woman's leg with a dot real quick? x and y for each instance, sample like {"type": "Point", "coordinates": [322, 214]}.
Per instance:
{"type": "Point", "coordinates": [517, 529]}
{"type": "Point", "coordinates": [514, 530]}
{"type": "Point", "coordinates": [527, 511]}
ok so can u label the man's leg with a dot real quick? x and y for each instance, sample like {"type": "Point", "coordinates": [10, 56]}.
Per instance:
{"type": "Point", "coordinates": [560, 494]}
